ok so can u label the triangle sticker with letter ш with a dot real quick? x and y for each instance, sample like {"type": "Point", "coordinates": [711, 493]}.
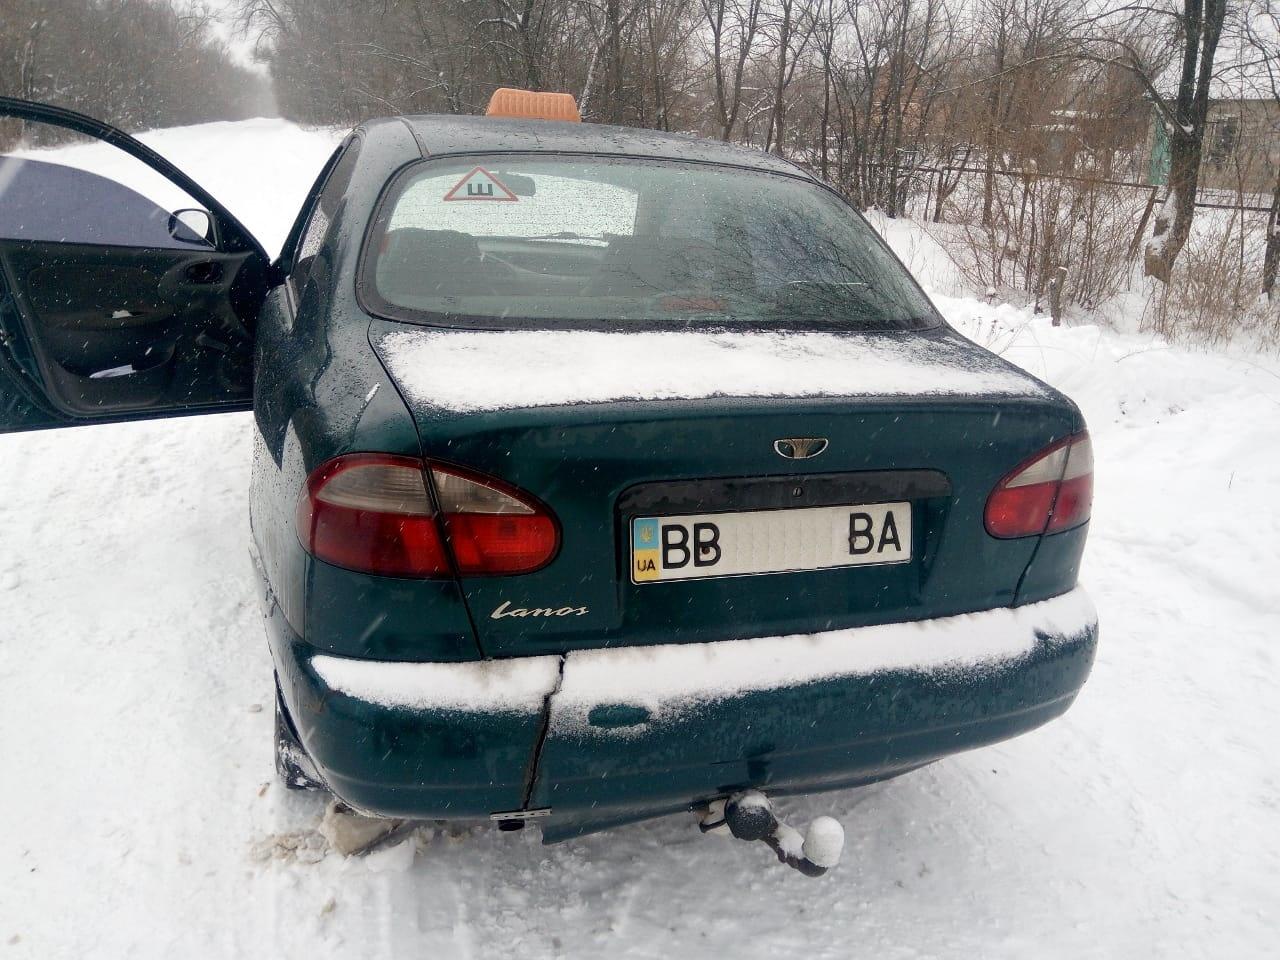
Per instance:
{"type": "Point", "coordinates": [480, 184]}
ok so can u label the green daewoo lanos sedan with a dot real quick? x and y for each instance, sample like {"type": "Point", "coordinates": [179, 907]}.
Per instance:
{"type": "Point", "coordinates": [598, 473]}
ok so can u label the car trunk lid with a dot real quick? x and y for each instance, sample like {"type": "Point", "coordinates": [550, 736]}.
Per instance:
{"type": "Point", "coordinates": [615, 432]}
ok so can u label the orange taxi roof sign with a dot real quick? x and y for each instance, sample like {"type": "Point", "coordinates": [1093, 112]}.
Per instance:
{"type": "Point", "coordinates": [510, 102]}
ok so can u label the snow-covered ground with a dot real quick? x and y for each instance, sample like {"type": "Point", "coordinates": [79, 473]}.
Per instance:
{"type": "Point", "coordinates": [141, 816]}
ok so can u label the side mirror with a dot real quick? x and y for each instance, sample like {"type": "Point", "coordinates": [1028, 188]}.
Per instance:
{"type": "Point", "coordinates": [194, 226]}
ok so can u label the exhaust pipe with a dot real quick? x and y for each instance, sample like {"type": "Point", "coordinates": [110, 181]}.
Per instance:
{"type": "Point", "coordinates": [750, 816]}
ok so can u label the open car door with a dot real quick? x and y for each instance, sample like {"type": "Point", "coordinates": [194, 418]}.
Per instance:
{"type": "Point", "coordinates": [126, 291]}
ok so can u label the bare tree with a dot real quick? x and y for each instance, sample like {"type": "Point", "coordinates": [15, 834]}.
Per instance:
{"type": "Point", "coordinates": [1192, 29]}
{"type": "Point", "coordinates": [1201, 26]}
{"type": "Point", "coordinates": [136, 63]}
{"type": "Point", "coordinates": [1260, 39]}
{"type": "Point", "coordinates": [732, 26]}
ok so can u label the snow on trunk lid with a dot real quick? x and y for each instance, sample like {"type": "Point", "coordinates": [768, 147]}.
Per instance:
{"type": "Point", "coordinates": [493, 370]}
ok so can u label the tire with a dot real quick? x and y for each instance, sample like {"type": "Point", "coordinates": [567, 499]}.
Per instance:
{"type": "Point", "coordinates": [293, 766]}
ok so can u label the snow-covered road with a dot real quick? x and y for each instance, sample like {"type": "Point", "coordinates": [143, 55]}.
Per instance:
{"type": "Point", "coordinates": [141, 817]}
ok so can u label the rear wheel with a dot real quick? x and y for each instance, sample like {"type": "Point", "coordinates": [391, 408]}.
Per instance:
{"type": "Point", "coordinates": [293, 766]}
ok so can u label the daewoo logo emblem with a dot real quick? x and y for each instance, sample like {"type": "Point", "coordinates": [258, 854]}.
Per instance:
{"type": "Point", "coordinates": [800, 448]}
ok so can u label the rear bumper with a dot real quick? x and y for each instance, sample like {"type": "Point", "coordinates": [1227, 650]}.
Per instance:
{"type": "Point", "coordinates": [622, 734]}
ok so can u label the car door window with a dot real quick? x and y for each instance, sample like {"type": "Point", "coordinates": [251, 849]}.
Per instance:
{"type": "Point", "coordinates": [50, 200]}
{"type": "Point", "coordinates": [323, 211]}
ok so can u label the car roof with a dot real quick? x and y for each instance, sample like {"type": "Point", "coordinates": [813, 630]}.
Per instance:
{"type": "Point", "coordinates": [444, 134]}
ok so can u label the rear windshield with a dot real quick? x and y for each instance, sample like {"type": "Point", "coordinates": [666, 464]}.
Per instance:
{"type": "Point", "coordinates": [507, 239]}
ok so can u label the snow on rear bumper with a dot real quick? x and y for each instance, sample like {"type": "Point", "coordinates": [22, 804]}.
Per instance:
{"type": "Point", "coordinates": [665, 680]}
{"type": "Point", "coordinates": [634, 732]}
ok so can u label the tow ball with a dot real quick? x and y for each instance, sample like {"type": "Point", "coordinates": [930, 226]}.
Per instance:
{"type": "Point", "coordinates": [750, 816]}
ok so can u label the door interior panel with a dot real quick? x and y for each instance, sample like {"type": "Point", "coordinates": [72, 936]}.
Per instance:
{"type": "Point", "coordinates": [126, 329]}
{"type": "Point", "coordinates": [126, 290]}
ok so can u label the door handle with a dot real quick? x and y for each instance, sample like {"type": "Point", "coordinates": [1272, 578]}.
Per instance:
{"type": "Point", "coordinates": [206, 271]}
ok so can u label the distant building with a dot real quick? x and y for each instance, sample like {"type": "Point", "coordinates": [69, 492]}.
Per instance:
{"type": "Point", "coordinates": [1098, 142]}
{"type": "Point", "coordinates": [1242, 136]}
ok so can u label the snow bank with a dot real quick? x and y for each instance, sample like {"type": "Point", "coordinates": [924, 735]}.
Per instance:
{"type": "Point", "coordinates": [468, 371]}
{"type": "Point", "coordinates": [669, 678]}
{"type": "Point", "coordinates": [507, 686]}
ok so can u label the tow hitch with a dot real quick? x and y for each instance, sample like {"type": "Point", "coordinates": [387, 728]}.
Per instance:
{"type": "Point", "coordinates": [750, 816]}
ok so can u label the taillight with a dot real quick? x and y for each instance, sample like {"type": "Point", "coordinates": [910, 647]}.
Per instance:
{"type": "Point", "coordinates": [372, 512]}
{"type": "Point", "coordinates": [493, 528]}
{"type": "Point", "coordinates": [1052, 491]}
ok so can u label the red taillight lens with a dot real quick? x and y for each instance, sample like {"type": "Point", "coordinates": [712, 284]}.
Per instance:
{"type": "Point", "coordinates": [1052, 491]}
{"type": "Point", "coordinates": [372, 512]}
{"type": "Point", "coordinates": [493, 528]}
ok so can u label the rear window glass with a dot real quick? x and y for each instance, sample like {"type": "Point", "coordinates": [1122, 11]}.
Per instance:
{"type": "Point", "coordinates": [612, 241]}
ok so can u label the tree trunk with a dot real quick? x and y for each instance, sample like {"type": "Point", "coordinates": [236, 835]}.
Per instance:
{"type": "Point", "coordinates": [1057, 281]}
{"type": "Point", "coordinates": [746, 40]}
{"type": "Point", "coordinates": [612, 105]}
{"type": "Point", "coordinates": [1202, 27]}
{"type": "Point", "coordinates": [714, 14]}
{"type": "Point", "coordinates": [1271, 258]}
{"type": "Point", "coordinates": [1173, 222]}
{"type": "Point", "coordinates": [947, 188]}
{"type": "Point", "coordinates": [993, 112]}
{"type": "Point", "coordinates": [778, 120]}
{"type": "Point", "coordinates": [824, 126]}
{"type": "Point", "coordinates": [532, 69]}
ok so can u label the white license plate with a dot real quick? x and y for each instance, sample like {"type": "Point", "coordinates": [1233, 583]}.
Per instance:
{"type": "Point", "coordinates": [769, 541]}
